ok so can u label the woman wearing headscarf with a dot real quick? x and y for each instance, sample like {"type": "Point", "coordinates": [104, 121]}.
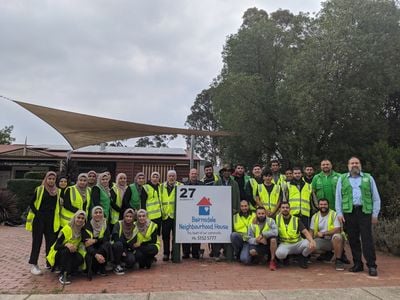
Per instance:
{"type": "Point", "coordinates": [152, 201]}
{"type": "Point", "coordinates": [92, 179]}
{"type": "Point", "coordinates": [101, 193]}
{"type": "Point", "coordinates": [96, 238]}
{"type": "Point", "coordinates": [43, 218]}
{"type": "Point", "coordinates": [68, 252]}
{"type": "Point", "coordinates": [148, 244]}
{"type": "Point", "coordinates": [135, 194]}
{"type": "Point", "coordinates": [62, 184]}
{"type": "Point", "coordinates": [117, 195]}
{"type": "Point", "coordinates": [76, 197]}
{"type": "Point", "coordinates": [124, 237]}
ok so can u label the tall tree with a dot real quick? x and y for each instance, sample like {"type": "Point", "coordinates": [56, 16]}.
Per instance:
{"type": "Point", "coordinates": [5, 135]}
{"type": "Point", "coordinates": [156, 141]}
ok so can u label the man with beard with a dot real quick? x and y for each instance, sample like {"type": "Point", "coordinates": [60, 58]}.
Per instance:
{"type": "Point", "coordinates": [299, 195]}
{"type": "Point", "coordinates": [357, 206]}
{"type": "Point", "coordinates": [308, 173]}
{"type": "Point", "coordinates": [209, 177]}
{"type": "Point", "coordinates": [291, 243]}
{"type": "Point", "coordinates": [324, 183]}
{"type": "Point", "coordinates": [241, 178]}
{"type": "Point", "coordinates": [239, 237]}
{"type": "Point", "coordinates": [252, 186]}
{"type": "Point", "coordinates": [262, 237]}
{"type": "Point", "coordinates": [325, 228]}
{"type": "Point", "coordinates": [277, 177]}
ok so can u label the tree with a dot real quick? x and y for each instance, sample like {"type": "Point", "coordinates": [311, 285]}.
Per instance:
{"type": "Point", "coordinates": [156, 141]}
{"type": "Point", "coordinates": [202, 117]}
{"type": "Point", "coordinates": [5, 135]}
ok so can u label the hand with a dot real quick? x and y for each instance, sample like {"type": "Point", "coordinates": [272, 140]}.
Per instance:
{"type": "Point", "coordinates": [91, 242]}
{"type": "Point", "coordinates": [341, 219]}
{"type": "Point", "coordinates": [136, 245]}
{"type": "Point", "coordinates": [71, 247]}
{"type": "Point", "coordinates": [374, 220]}
{"type": "Point", "coordinates": [100, 258]}
{"type": "Point", "coordinates": [259, 239]}
{"type": "Point", "coordinates": [320, 234]}
{"type": "Point", "coordinates": [263, 241]}
{"type": "Point", "coordinates": [312, 245]}
{"type": "Point", "coordinates": [123, 254]}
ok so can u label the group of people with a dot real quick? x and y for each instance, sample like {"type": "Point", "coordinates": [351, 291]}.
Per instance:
{"type": "Point", "coordinates": [96, 223]}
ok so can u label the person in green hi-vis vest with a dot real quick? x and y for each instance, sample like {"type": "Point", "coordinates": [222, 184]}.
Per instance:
{"type": "Point", "coordinates": [324, 183]}
{"type": "Point", "coordinates": [357, 206]}
{"type": "Point", "coordinates": [101, 195]}
{"type": "Point", "coordinates": [133, 195]}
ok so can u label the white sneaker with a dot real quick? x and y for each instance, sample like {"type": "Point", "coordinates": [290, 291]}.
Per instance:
{"type": "Point", "coordinates": [36, 270]}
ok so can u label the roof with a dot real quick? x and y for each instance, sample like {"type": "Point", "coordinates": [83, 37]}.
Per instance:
{"type": "Point", "coordinates": [83, 130]}
{"type": "Point", "coordinates": [204, 202]}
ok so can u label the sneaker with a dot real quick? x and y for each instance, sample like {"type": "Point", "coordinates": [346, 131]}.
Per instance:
{"type": "Point", "coordinates": [217, 259]}
{"type": "Point", "coordinates": [36, 270]}
{"type": "Point", "coordinates": [339, 266]}
{"type": "Point", "coordinates": [63, 279]}
{"type": "Point", "coordinates": [102, 271]}
{"type": "Point", "coordinates": [303, 262]}
{"type": "Point", "coordinates": [272, 265]}
{"type": "Point", "coordinates": [372, 271]}
{"type": "Point", "coordinates": [119, 270]}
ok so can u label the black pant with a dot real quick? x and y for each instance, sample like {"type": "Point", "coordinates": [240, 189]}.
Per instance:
{"type": "Point", "coordinates": [129, 259]}
{"type": "Point", "coordinates": [358, 224]}
{"type": "Point", "coordinates": [42, 225]}
{"type": "Point", "coordinates": [68, 261]}
{"type": "Point", "coordinates": [167, 228]}
{"type": "Point", "coordinates": [195, 250]}
{"type": "Point", "coordinates": [145, 255]}
{"type": "Point", "coordinates": [91, 262]}
{"type": "Point", "coordinates": [158, 221]}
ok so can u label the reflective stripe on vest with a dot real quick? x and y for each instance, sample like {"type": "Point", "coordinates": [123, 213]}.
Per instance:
{"type": "Point", "coordinates": [118, 202]}
{"type": "Point", "coordinates": [288, 233]}
{"type": "Point", "coordinates": [168, 201]}
{"type": "Point", "coordinates": [269, 200]}
{"type": "Point", "coordinates": [256, 228]}
{"type": "Point", "coordinates": [300, 200]}
{"type": "Point", "coordinates": [77, 202]}
{"type": "Point", "coordinates": [241, 223]}
{"type": "Point", "coordinates": [331, 221]}
{"type": "Point", "coordinates": [134, 229]}
{"type": "Point", "coordinates": [39, 191]}
{"type": "Point", "coordinates": [153, 203]}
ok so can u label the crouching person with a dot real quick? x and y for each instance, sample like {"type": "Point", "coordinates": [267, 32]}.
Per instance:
{"type": "Point", "coordinates": [148, 244]}
{"type": "Point", "coordinates": [262, 237]}
{"type": "Point", "coordinates": [325, 228]}
{"type": "Point", "coordinates": [68, 252]}
{"type": "Point", "coordinates": [239, 237]}
{"type": "Point", "coordinates": [96, 237]}
{"type": "Point", "coordinates": [124, 238]}
{"type": "Point", "coordinates": [289, 228]}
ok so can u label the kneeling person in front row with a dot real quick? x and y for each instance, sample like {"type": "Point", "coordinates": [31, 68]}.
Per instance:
{"type": "Point", "coordinates": [325, 228]}
{"type": "Point", "coordinates": [262, 237]}
{"type": "Point", "coordinates": [289, 228]}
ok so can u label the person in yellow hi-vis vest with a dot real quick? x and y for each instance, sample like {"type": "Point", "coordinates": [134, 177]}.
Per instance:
{"type": "Point", "coordinates": [152, 196]}
{"type": "Point", "coordinates": [269, 194]}
{"type": "Point", "coordinates": [168, 198]}
{"type": "Point", "coordinates": [252, 186]}
{"type": "Point", "coordinates": [43, 218]}
{"type": "Point", "coordinates": [68, 252]}
{"type": "Point", "coordinates": [76, 197]}
{"type": "Point", "coordinates": [117, 196]}
{"type": "Point", "coordinates": [148, 244]}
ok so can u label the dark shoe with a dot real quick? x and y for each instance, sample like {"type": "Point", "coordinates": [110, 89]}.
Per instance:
{"type": "Point", "coordinates": [344, 259]}
{"type": "Point", "coordinates": [165, 257]}
{"type": "Point", "coordinates": [339, 266]}
{"type": "Point", "coordinates": [196, 256]}
{"type": "Point", "coordinates": [325, 257]}
{"type": "Point", "coordinates": [356, 268]}
{"type": "Point", "coordinates": [303, 262]}
{"type": "Point", "coordinates": [372, 271]}
{"type": "Point", "coordinates": [185, 256]}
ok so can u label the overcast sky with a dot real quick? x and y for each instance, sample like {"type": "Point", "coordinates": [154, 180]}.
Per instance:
{"type": "Point", "coordinates": [140, 61]}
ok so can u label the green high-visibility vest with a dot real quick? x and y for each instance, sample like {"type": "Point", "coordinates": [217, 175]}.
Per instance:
{"type": "Point", "coordinates": [366, 194]}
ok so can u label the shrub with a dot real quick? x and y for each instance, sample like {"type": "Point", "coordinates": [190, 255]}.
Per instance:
{"type": "Point", "coordinates": [386, 236]}
{"type": "Point", "coordinates": [8, 207]}
{"type": "Point", "coordinates": [23, 189]}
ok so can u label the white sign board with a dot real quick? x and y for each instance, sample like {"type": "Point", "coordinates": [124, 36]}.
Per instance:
{"type": "Point", "coordinates": [203, 214]}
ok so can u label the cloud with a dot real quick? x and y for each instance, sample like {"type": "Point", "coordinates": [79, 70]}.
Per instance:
{"type": "Point", "coordinates": [141, 61]}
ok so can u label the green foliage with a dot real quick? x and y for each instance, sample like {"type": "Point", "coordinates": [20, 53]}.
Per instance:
{"type": "Point", "coordinates": [8, 207]}
{"type": "Point", "coordinates": [23, 189]}
{"type": "Point", "coordinates": [35, 175]}
{"type": "Point", "coordinates": [156, 141]}
{"type": "Point", "coordinates": [5, 135]}
{"type": "Point", "coordinates": [386, 236]}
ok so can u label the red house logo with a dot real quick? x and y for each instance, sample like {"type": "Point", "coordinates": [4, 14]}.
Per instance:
{"type": "Point", "coordinates": [204, 206]}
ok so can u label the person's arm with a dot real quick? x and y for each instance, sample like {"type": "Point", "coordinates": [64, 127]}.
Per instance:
{"type": "Point", "coordinates": [59, 244]}
{"type": "Point", "coordinates": [143, 198]}
{"type": "Point", "coordinates": [308, 236]}
{"type": "Point", "coordinates": [376, 201]}
{"type": "Point", "coordinates": [113, 201]}
{"type": "Point", "coordinates": [115, 234]}
{"type": "Point", "coordinates": [67, 201]}
{"type": "Point", "coordinates": [252, 239]}
{"type": "Point", "coordinates": [273, 230]}
{"type": "Point", "coordinates": [249, 193]}
{"type": "Point", "coordinates": [95, 197]}
{"type": "Point", "coordinates": [338, 200]}
{"type": "Point", "coordinates": [127, 199]}
{"type": "Point", "coordinates": [32, 203]}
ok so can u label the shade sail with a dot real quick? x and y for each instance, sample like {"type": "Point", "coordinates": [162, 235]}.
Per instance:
{"type": "Point", "coordinates": [83, 130]}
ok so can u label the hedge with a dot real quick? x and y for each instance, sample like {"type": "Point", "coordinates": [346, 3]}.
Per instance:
{"type": "Point", "coordinates": [23, 189]}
